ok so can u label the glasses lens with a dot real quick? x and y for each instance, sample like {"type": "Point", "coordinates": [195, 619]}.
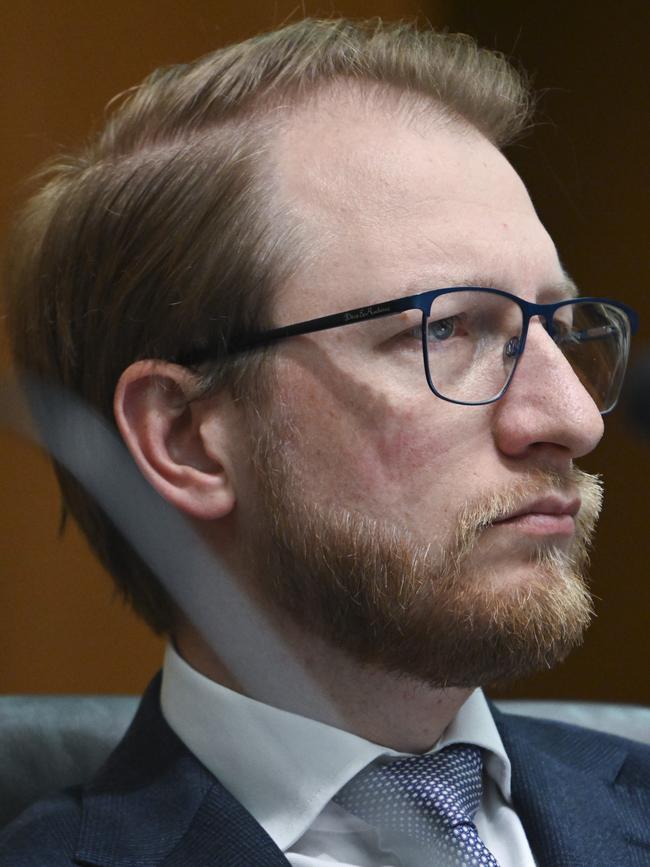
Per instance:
{"type": "Point", "coordinates": [595, 340]}
{"type": "Point", "coordinates": [471, 345]}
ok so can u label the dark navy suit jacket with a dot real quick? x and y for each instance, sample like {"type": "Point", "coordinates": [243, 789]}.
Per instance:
{"type": "Point", "coordinates": [583, 798]}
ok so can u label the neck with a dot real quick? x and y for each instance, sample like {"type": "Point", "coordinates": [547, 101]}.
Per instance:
{"type": "Point", "coordinates": [385, 708]}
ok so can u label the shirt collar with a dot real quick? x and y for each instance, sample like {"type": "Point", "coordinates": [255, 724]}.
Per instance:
{"type": "Point", "coordinates": [474, 724]}
{"type": "Point", "coordinates": [285, 768]}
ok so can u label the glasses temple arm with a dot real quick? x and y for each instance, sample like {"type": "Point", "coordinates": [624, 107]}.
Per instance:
{"type": "Point", "coordinates": [322, 323]}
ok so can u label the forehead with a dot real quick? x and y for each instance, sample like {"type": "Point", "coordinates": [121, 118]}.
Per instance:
{"type": "Point", "coordinates": [394, 198]}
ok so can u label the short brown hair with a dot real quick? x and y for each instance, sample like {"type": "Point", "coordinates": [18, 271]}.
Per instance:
{"type": "Point", "coordinates": [164, 233]}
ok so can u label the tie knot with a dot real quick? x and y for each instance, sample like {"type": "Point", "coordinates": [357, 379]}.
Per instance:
{"type": "Point", "coordinates": [447, 782]}
{"type": "Point", "coordinates": [431, 799]}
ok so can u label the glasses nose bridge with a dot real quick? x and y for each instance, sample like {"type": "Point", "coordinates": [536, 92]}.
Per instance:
{"type": "Point", "coordinates": [545, 313]}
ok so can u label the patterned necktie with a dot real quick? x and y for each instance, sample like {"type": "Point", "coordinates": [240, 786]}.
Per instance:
{"type": "Point", "coordinates": [432, 799]}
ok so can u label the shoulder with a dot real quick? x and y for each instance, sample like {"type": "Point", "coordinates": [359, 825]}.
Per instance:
{"type": "Point", "coordinates": [45, 833]}
{"type": "Point", "coordinates": [583, 795]}
{"type": "Point", "coordinates": [597, 730]}
{"type": "Point", "coordinates": [50, 831]}
{"type": "Point", "coordinates": [151, 798]}
{"type": "Point", "coordinates": [575, 745]}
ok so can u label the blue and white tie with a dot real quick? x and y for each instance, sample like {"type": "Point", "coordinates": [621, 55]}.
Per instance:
{"type": "Point", "coordinates": [432, 799]}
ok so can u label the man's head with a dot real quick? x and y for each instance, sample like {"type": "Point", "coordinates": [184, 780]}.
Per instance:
{"type": "Point", "coordinates": [307, 172]}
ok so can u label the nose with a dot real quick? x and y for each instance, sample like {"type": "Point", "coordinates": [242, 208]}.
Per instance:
{"type": "Point", "coordinates": [546, 413]}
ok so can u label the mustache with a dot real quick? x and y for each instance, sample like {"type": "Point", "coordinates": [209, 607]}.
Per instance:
{"type": "Point", "coordinates": [486, 509]}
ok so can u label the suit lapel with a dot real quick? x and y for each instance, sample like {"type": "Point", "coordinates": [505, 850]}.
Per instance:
{"type": "Point", "coordinates": [224, 834]}
{"type": "Point", "coordinates": [154, 803]}
{"type": "Point", "coordinates": [582, 802]}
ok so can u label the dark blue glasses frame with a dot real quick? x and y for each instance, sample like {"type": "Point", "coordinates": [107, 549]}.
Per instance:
{"type": "Point", "coordinates": [423, 302]}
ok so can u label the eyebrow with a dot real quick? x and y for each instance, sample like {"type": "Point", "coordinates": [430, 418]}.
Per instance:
{"type": "Point", "coordinates": [565, 287]}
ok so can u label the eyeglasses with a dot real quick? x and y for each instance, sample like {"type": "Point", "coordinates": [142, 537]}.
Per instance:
{"type": "Point", "coordinates": [473, 337]}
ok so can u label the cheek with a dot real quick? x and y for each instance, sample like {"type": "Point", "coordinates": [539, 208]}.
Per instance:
{"type": "Point", "coordinates": [431, 455]}
{"type": "Point", "coordinates": [409, 441]}
{"type": "Point", "coordinates": [387, 454]}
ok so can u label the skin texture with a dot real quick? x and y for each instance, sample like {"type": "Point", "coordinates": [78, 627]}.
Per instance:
{"type": "Point", "coordinates": [395, 206]}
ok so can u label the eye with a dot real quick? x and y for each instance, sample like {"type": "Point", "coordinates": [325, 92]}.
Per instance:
{"type": "Point", "coordinates": [439, 330]}
{"type": "Point", "coordinates": [442, 329]}
{"type": "Point", "coordinates": [563, 323]}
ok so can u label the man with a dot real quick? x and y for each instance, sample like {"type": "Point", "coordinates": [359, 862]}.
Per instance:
{"type": "Point", "coordinates": [317, 302]}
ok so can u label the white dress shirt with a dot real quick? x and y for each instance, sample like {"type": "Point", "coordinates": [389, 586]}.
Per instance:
{"type": "Point", "coordinates": [285, 769]}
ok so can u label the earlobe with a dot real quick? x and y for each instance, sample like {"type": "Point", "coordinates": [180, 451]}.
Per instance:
{"type": "Point", "coordinates": [167, 435]}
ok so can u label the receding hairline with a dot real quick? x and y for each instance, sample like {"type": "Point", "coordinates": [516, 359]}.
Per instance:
{"type": "Point", "coordinates": [408, 104]}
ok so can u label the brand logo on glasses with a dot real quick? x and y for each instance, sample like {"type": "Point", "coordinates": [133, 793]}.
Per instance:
{"type": "Point", "coordinates": [366, 312]}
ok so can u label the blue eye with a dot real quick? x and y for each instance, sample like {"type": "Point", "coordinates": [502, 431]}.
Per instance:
{"type": "Point", "coordinates": [441, 329]}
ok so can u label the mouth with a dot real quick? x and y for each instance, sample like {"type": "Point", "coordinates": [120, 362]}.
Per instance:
{"type": "Point", "coordinates": [553, 515]}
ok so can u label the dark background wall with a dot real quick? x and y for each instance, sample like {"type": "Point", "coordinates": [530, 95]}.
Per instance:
{"type": "Point", "coordinates": [586, 165]}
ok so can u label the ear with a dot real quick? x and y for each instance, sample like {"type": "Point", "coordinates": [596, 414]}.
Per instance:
{"type": "Point", "coordinates": [181, 447]}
